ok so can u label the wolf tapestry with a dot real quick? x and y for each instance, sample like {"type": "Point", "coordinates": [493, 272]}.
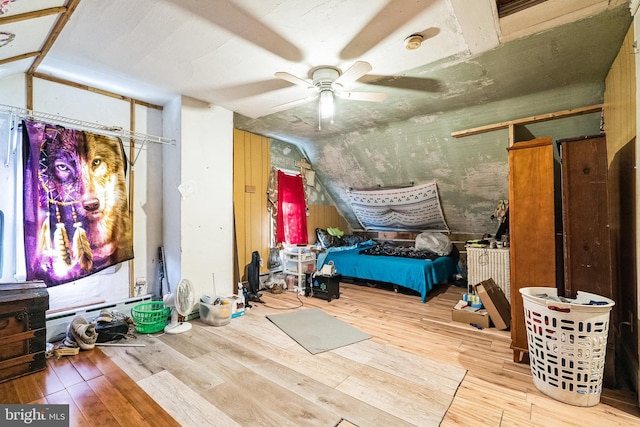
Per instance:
{"type": "Point", "coordinates": [76, 218]}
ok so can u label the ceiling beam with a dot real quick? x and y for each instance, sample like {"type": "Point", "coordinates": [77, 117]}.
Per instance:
{"type": "Point", "coordinates": [55, 32]}
{"type": "Point", "coordinates": [527, 120]}
{"type": "Point", "coordinates": [32, 15]}
{"type": "Point", "coordinates": [94, 90]}
{"type": "Point", "coordinates": [19, 57]}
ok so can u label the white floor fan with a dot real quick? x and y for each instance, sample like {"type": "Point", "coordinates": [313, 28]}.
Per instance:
{"type": "Point", "coordinates": [181, 302]}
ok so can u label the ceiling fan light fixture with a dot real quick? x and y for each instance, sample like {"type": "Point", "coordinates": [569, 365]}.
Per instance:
{"type": "Point", "coordinates": [413, 42]}
{"type": "Point", "coordinates": [326, 104]}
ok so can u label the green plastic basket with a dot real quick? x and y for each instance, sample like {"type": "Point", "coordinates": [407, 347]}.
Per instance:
{"type": "Point", "coordinates": [150, 317]}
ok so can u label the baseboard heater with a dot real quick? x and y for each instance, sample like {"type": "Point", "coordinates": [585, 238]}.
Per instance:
{"type": "Point", "coordinates": [57, 322]}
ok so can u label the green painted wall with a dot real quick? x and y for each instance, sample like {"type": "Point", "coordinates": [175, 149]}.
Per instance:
{"type": "Point", "coordinates": [284, 156]}
{"type": "Point", "coordinates": [471, 172]}
{"type": "Point", "coordinates": [408, 138]}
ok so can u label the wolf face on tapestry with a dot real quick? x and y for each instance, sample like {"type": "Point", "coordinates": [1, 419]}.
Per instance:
{"type": "Point", "coordinates": [76, 218]}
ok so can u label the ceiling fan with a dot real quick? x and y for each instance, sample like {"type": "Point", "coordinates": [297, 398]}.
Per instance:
{"type": "Point", "coordinates": [326, 82]}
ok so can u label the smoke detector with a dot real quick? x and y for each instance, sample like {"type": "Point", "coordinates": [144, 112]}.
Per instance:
{"type": "Point", "coordinates": [413, 41]}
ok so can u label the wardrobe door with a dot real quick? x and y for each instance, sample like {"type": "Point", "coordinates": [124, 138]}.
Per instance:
{"type": "Point", "coordinates": [585, 217]}
{"type": "Point", "coordinates": [531, 228]}
{"type": "Point", "coordinates": [586, 230]}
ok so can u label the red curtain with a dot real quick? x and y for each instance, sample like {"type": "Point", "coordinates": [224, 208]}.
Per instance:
{"type": "Point", "coordinates": [292, 210]}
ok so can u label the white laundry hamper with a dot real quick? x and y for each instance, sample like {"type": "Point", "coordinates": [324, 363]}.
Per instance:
{"type": "Point", "coordinates": [567, 343]}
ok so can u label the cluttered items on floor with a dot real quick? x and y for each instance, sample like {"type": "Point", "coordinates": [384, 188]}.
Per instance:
{"type": "Point", "coordinates": [484, 305]}
{"type": "Point", "coordinates": [463, 312]}
{"type": "Point", "coordinates": [112, 325]}
{"type": "Point", "coordinates": [82, 334]}
{"type": "Point", "coordinates": [216, 312]}
{"type": "Point", "coordinates": [496, 303]}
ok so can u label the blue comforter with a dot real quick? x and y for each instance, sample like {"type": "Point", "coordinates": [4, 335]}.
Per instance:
{"type": "Point", "coordinates": [421, 275]}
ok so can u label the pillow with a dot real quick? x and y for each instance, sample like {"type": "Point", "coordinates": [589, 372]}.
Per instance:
{"type": "Point", "coordinates": [324, 239]}
{"type": "Point", "coordinates": [437, 243]}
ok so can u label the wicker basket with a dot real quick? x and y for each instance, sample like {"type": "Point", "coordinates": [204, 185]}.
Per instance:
{"type": "Point", "coordinates": [150, 317]}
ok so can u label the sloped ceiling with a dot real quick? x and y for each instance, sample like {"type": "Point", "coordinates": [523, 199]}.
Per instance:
{"type": "Point", "coordinates": [472, 69]}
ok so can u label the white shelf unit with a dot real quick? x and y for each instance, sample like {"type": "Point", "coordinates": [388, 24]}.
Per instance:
{"type": "Point", "coordinates": [298, 261]}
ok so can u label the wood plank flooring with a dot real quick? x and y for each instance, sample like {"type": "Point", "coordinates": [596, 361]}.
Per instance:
{"type": "Point", "coordinates": [245, 374]}
{"type": "Point", "coordinates": [97, 391]}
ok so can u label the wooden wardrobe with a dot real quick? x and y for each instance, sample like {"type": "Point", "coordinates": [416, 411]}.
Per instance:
{"type": "Point", "coordinates": [532, 227]}
{"type": "Point", "coordinates": [559, 226]}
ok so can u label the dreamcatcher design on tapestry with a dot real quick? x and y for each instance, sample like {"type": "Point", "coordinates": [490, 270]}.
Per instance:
{"type": "Point", "coordinates": [4, 6]}
{"type": "Point", "coordinates": [76, 218]}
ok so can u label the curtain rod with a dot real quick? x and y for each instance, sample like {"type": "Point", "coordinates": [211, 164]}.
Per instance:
{"type": "Point", "coordinates": [117, 131]}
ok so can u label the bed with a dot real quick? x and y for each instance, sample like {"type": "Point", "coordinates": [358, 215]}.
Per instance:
{"type": "Point", "coordinates": [420, 275]}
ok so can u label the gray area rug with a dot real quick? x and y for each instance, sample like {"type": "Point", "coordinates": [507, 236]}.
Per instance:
{"type": "Point", "coordinates": [317, 331]}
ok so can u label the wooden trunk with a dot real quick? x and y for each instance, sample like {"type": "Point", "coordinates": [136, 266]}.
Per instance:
{"type": "Point", "coordinates": [22, 329]}
{"type": "Point", "coordinates": [532, 228]}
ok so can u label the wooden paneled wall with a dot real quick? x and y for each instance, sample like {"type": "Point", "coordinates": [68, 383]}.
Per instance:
{"type": "Point", "coordinates": [620, 98]}
{"type": "Point", "coordinates": [251, 167]}
{"type": "Point", "coordinates": [620, 129]}
{"type": "Point", "coordinates": [324, 216]}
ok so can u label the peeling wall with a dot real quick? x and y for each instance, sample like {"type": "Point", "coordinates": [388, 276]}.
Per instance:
{"type": "Point", "coordinates": [284, 156]}
{"type": "Point", "coordinates": [471, 172]}
{"type": "Point", "coordinates": [407, 138]}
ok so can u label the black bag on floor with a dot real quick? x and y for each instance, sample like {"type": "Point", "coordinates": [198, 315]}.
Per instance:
{"type": "Point", "coordinates": [112, 328]}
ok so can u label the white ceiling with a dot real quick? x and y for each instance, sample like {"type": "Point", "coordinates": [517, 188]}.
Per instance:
{"type": "Point", "coordinates": [226, 52]}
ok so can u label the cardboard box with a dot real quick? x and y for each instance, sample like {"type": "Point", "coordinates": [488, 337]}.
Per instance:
{"type": "Point", "coordinates": [478, 317]}
{"type": "Point", "coordinates": [495, 302]}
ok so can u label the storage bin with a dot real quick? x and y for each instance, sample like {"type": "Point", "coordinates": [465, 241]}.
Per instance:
{"type": "Point", "coordinates": [216, 315]}
{"type": "Point", "coordinates": [567, 343]}
{"type": "Point", "coordinates": [150, 317]}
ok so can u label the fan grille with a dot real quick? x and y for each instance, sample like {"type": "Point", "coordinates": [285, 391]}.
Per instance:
{"type": "Point", "coordinates": [185, 298]}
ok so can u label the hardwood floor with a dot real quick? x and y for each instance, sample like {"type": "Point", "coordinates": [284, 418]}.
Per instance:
{"type": "Point", "coordinates": [97, 391]}
{"type": "Point", "coordinates": [245, 374]}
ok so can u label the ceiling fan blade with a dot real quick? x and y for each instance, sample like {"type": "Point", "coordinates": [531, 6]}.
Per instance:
{"type": "Point", "coordinates": [295, 80]}
{"type": "Point", "coordinates": [363, 96]}
{"type": "Point", "coordinates": [287, 105]}
{"type": "Point", "coordinates": [354, 72]}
